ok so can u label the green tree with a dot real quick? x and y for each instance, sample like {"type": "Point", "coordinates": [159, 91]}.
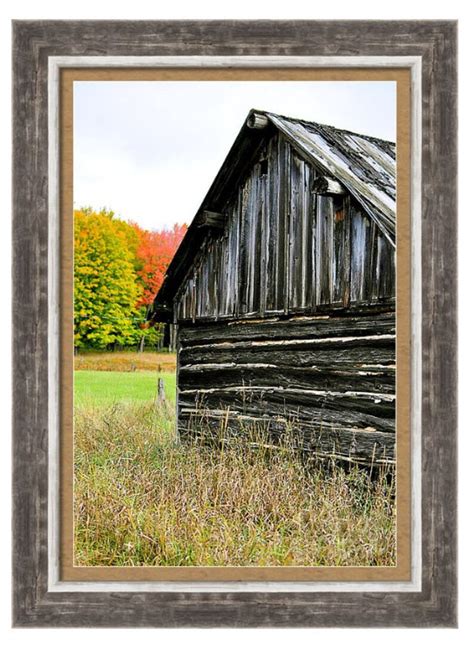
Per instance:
{"type": "Point", "coordinates": [106, 291]}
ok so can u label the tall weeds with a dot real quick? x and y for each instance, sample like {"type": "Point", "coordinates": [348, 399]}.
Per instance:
{"type": "Point", "coordinates": [141, 498]}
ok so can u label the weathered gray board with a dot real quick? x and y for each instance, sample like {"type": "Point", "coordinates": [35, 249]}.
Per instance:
{"type": "Point", "coordinates": [286, 249]}
{"type": "Point", "coordinates": [328, 382]}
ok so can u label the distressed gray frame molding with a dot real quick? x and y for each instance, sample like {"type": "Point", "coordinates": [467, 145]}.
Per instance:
{"type": "Point", "coordinates": [58, 63]}
{"type": "Point", "coordinates": [40, 48]}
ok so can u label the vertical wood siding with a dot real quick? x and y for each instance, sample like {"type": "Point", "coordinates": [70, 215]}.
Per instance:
{"type": "Point", "coordinates": [285, 249]}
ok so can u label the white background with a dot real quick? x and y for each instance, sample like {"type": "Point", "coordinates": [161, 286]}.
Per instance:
{"type": "Point", "coordinates": [254, 9]}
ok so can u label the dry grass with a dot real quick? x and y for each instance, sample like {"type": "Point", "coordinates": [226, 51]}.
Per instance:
{"type": "Point", "coordinates": [126, 361]}
{"type": "Point", "coordinates": [142, 499]}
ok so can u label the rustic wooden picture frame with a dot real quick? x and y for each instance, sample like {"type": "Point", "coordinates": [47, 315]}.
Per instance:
{"type": "Point", "coordinates": [429, 47]}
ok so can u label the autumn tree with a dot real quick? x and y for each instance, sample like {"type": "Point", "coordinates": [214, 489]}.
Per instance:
{"type": "Point", "coordinates": [154, 253]}
{"type": "Point", "coordinates": [106, 292]}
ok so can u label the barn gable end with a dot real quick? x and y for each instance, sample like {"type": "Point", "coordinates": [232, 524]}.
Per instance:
{"type": "Point", "coordinates": [285, 248]}
{"type": "Point", "coordinates": [283, 292]}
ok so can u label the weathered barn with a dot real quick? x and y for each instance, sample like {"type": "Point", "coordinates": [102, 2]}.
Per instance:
{"type": "Point", "coordinates": [282, 293]}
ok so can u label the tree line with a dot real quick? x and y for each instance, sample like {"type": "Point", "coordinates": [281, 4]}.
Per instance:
{"type": "Point", "coordinates": [118, 269]}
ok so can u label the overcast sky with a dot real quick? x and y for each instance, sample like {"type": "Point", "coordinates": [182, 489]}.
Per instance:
{"type": "Point", "coordinates": [149, 150]}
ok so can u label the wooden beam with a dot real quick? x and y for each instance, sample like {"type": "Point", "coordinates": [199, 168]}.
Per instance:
{"type": "Point", "coordinates": [214, 220]}
{"type": "Point", "coordinates": [327, 186]}
{"type": "Point", "coordinates": [257, 120]}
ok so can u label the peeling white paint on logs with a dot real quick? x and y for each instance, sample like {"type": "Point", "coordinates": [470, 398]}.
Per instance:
{"type": "Point", "coordinates": [335, 456]}
{"type": "Point", "coordinates": [378, 366]}
{"type": "Point", "coordinates": [376, 397]}
{"type": "Point", "coordinates": [208, 412]}
{"type": "Point", "coordinates": [307, 318]}
{"type": "Point", "coordinates": [293, 342]}
{"type": "Point", "coordinates": [338, 372]}
{"type": "Point", "coordinates": [227, 365]}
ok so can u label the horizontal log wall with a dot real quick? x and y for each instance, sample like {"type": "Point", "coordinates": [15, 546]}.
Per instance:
{"type": "Point", "coordinates": [285, 249]}
{"type": "Point", "coordinates": [327, 381]}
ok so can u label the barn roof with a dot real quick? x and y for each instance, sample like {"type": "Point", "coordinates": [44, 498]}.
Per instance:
{"type": "Point", "coordinates": [366, 166]}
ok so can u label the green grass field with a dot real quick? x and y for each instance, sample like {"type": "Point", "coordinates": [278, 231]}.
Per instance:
{"type": "Point", "coordinates": [108, 387]}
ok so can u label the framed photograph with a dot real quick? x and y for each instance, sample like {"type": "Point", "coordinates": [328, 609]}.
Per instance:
{"type": "Point", "coordinates": [235, 380]}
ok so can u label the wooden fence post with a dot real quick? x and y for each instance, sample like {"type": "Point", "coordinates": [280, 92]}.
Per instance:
{"type": "Point", "coordinates": [161, 396]}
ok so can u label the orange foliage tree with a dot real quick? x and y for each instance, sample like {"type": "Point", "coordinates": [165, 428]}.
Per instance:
{"type": "Point", "coordinates": [154, 253]}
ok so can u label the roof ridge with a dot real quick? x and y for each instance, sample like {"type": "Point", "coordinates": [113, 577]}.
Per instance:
{"type": "Point", "coordinates": [308, 122]}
